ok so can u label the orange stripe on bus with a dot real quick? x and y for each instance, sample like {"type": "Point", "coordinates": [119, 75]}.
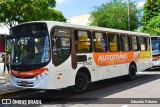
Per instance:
{"type": "Point", "coordinates": [31, 73]}
{"type": "Point", "coordinates": [111, 58]}
{"type": "Point", "coordinates": [156, 58]}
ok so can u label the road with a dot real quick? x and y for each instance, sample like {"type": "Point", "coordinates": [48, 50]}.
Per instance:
{"type": "Point", "coordinates": [103, 93]}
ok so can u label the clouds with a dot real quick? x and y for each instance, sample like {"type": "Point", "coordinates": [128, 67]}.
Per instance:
{"type": "Point", "coordinates": [62, 1]}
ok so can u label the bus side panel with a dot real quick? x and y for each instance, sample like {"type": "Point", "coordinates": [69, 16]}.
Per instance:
{"type": "Point", "coordinates": [90, 65]}
{"type": "Point", "coordinates": [64, 74]}
{"type": "Point", "coordinates": [113, 64]}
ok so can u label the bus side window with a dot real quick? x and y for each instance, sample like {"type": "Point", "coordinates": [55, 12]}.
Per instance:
{"type": "Point", "coordinates": [125, 43]}
{"type": "Point", "coordinates": [142, 42]}
{"type": "Point", "coordinates": [100, 42]}
{"type": "Point", "coordinates": [114, 44]}
{"type": "Point", "coordinates": [134, 41]}
{"type": "Point", "coordinates": [83, 41]}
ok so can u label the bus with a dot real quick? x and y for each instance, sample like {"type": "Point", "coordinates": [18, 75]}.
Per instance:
{"type": "Point", "coordinates": [2, 43]}
{"type": "Point", "coordinates": [2, 46]}
{"type": "Point", "coordinates": [155, 40]}
{"type": "Point", "coordinates": [55, 55]}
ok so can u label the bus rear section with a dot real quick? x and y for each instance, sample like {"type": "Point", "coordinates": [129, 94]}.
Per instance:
{"type": "Point", "coordinates": [54, 55]}
{"type": "Point", "coordinates": [2, 44]}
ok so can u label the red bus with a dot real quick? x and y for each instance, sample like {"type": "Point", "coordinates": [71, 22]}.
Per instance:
{"type": "Point", "coordinates": [2, 43]}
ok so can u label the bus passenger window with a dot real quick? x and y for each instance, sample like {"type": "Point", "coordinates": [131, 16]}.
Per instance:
{"type": "Point", "coordinates": [124, 43]}
{"type": "Point", "coordinates": [83, 42]}
{"type": "Point", "coordinates": [142, 42]}
{"type": "Point", "coordinates": [113, 40]}
{"type": "Point", "coordinates": [100, 43]}
{"type": "Point", "coordinates": [134, 40]}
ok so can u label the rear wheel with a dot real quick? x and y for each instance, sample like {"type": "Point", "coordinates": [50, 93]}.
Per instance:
{"type": "Point", "coordinates": [81, 83]}
{"type": "Point", "coordinates": [132, 72]}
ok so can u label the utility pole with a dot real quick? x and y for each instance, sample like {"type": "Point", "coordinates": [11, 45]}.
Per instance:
{"type": "Point", "coordinates": [129, 15]}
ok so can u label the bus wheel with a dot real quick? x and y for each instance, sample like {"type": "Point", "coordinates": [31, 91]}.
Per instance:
{"type": "Point", "coordinates": [132, 72]}
{"type": "Point", "coordinates": [81, 83]}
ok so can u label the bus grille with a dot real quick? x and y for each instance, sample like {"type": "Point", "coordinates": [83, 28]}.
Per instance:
{"type": "Point", "coordinates": [26, 84]}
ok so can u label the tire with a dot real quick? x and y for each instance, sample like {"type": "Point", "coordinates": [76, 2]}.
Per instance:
{"type": "Point", "coordinates": [81, 83]}
{"type": "Point", "coordinates": [132, 72]}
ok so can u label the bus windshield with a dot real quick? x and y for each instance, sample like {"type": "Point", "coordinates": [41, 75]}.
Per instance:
{"type": "Point", "coordinates": [31, 44]}
{"type": "Point", "coordinates": [155, 46]}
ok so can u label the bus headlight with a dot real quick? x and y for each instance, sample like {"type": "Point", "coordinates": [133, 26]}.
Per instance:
{"type": "Point", "coordinates": [36, 77]}
{"type": "Point", "coordinates": [45, 72]}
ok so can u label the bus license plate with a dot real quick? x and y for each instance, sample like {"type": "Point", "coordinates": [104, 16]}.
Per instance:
{"type": "Point", "coordinates": [23, 83]}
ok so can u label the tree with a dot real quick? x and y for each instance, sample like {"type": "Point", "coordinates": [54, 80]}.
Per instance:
{"type": "Point", "coordinates": [153, 26]}
{"type": "Point", "coordinates": [19, 11]}
{"type": "Point", "coordinates": [151, 15]}
{"type": "Point", "coordinates": [149, 2]}
{"type": "Point", "coordinates": [115, 15]}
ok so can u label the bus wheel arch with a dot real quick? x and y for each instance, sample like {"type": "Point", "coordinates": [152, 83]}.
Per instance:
{"type": "Point", "coordinates": [82, 79]}
{"type": "Point", "coordinates": [85, 71]}
{"type": "Point", "coordinates": [132, 71]}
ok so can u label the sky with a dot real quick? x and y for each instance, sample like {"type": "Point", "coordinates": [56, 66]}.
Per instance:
{"type": "Point", "coordinates": [4, 30]}
{"type": "Point", "coordinates": [71, 8]}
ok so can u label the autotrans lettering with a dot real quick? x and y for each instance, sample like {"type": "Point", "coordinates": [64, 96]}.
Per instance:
{"type": "Point", "coordinates": [112, 57]}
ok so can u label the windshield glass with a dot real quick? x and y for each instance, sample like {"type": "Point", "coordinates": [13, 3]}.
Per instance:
{"type": "Point", "coordinates": [31, 45]}
{"type": "Point", "coordinates": [155, 46]}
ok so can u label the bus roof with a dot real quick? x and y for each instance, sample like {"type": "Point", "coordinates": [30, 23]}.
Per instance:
{"type": "Point", "coordinates": [155, 36]}
{"type": "Point", "coordinates": [56, 23]}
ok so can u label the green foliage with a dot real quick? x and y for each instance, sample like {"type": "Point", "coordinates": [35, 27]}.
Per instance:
{"type": "Point", "coordinates": [151, 17]}
{"type": "Point", "coordinates": [19, 11]}
{"type": "Point", "coordinates": [153, 27]}
{"type": "Point", "coordinates": [150, 10]}
{"type": "Point", "coordinates": [115, 15]}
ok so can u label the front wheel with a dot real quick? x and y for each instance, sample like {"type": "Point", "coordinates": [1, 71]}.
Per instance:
{"type": "Point", "coordinates": [132, 72]}
{"type": "Point", "coordinates": [81, 83]}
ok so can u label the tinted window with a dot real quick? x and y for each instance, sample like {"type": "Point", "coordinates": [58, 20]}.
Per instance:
{"type": "Point", "coordinates": [100, 42]}
{"type": "Point", "coordinates": [83, 41]}
{"type": "Point", "coordinates": [60, 45]}
{"type": "Point", "coordinates": [124, 43]}
{"type": "Point", "coordinates": [142, 42]}
{"type": "Point", "coordinates": [113, 40]}
{"type": "Point", "coordinates": [134, 40]}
